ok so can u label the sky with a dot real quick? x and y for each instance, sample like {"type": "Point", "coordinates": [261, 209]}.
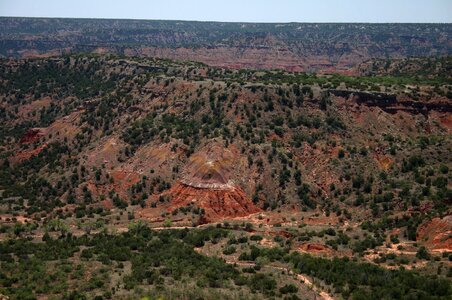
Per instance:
{"type": "Point", "coordinates": [372, 11]}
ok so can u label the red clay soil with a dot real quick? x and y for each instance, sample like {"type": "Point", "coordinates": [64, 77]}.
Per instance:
{"type": "Point", "coordinates": [436, 234]}
{"type": "Point", "coordinates": [25, 155]}
{"type": "Point", "coordinates": [108, 204]}
{"type": "Point", "coordinates": [385, 162]}
{"type": "Point", "coordinates": [446, 121]}
{"type": "Point", "coordinates": [218, 204]}
{"type": "Point", "coordinates": [123, 180]}
{"type": "Point", "coordinates": [31, 136]}
{"type": "Point", "coordinates": [315, 248]}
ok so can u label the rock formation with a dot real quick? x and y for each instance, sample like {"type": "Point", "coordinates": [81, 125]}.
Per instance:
{"type": "Point", "coordinates": [208, 183]}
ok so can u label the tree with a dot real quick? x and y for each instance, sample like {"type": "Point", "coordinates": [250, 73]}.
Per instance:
{"type": "Point", "coordinates": [167, 223]}
{"type": "Point", "coordinates": [422, 253]}
{"type": "Point", "coordinates": [288, 289]}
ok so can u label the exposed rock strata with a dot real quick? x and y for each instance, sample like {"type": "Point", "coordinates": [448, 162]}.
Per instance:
{"type": "Point", "coordinates": [391, 104]}
{"type": "Point", "coordinates": [436, 234]}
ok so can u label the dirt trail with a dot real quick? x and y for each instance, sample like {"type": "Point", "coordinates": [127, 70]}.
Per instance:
{"type": "Point", "coordinates": [324, 295]}
{"type": "Point", "coordinates": [307, 281]}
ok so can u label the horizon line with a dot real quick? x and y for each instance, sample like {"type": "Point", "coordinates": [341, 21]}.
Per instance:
{"type": "Point", "coordinates": [213, 21]}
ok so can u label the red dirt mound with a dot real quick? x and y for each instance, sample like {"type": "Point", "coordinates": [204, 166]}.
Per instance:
{"type": "Point", "coordinates": [315, 248]}
{"type": "Point", "coordinates": [436, 234]}
{"type": "Point", "coordinates": [218, 204]}
{"type": "Point", "coordinates": [208, 182]}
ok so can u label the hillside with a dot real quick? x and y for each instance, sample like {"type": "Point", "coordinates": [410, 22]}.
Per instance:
{"type": "Point", "coordinates": [291, 168]}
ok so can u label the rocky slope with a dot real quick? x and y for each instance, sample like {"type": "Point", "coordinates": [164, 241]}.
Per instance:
{"type": "Point", "coordinates": [196, 144]}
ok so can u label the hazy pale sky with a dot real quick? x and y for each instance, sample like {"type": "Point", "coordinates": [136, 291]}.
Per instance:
{"type": "Point", "coordinates": [431, 11]}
